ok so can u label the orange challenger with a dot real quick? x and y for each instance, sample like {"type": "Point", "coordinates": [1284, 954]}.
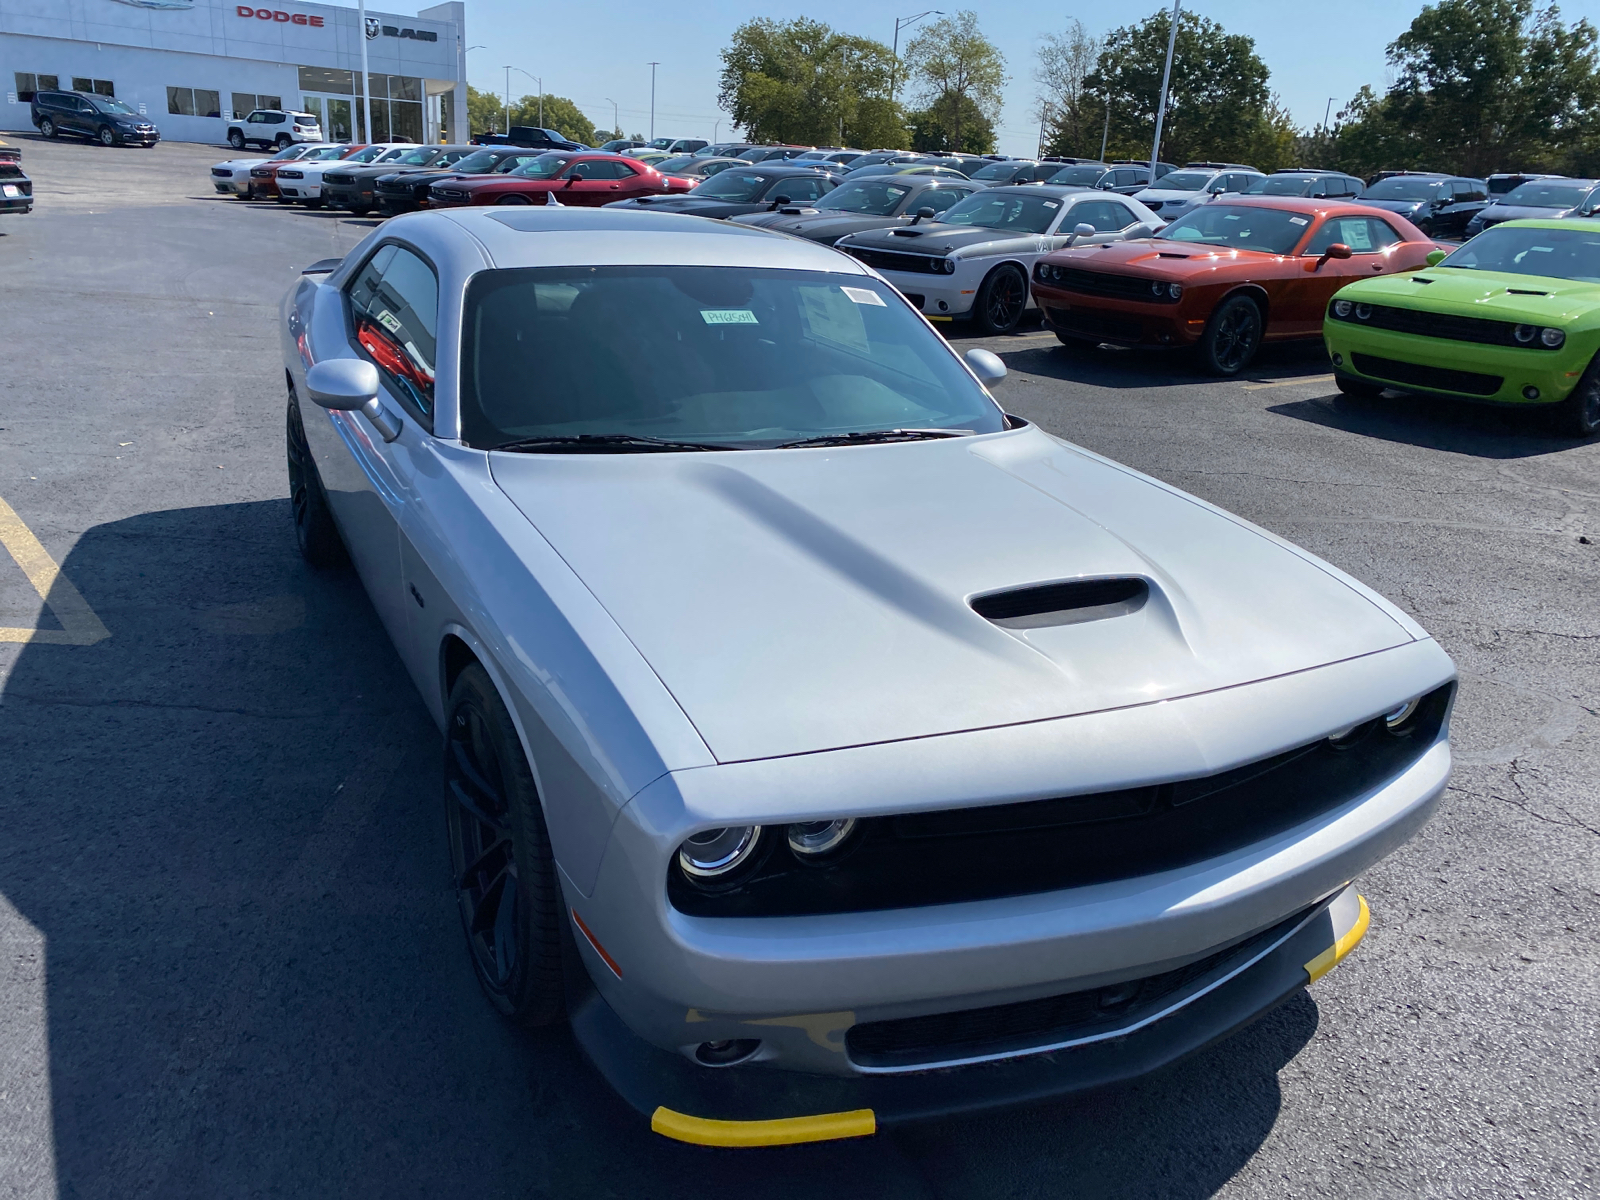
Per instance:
{"type": "Point", "coordinates": [1226, 277]}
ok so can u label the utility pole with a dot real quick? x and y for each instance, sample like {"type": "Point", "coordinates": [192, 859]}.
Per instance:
{"type": "Point", "coordinates": [1105, 134]}
{"type": "Point", "coordinates": [508, 99]}
{"type": "Point", "coordinates": [616, 121]}
{"type": "Point", "coordinates": [366, 92]}
{"type": "Point", "coordinates": [653, 67]}
{"type": "Point", "coordinates": [894, 55]}
{"type": "Point", "coordinates": [1166, 78]}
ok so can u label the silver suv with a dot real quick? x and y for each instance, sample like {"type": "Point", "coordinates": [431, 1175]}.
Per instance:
{"type": "Point", "coordinates": [266, 127]}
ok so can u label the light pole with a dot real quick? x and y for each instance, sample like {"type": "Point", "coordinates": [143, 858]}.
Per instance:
{"type": "Point", "coordinates": [616, 121]}
{"type": "Point", "coordinates": [1105, 134]}
{"type": "Point", "coordinates": [894, 55]}
{"type": "Point", "coordinates": [537, 80]}
{"type": "Point", "coordinates": [467, 119]}
{"type": "Point", "coordinates": [1166, 77]}
{"type": "Point", "coordinates": [366, 92]}
{"type": "Point", "coordinates": [653, 67]}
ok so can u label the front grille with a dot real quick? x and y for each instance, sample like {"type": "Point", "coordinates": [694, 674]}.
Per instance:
{"type": "Point", "coordinates": [1441, 325]}
{"type": "Point", "coordinates": [1109, 326]}
{"type": "Point", "coordinates": [291, 174]}
{"type": "Point", "coordinates": [452, 193]}
{"type": "Point", "coordinates": [1103, 283]}
{"type": "Point", "coordinates": [957, 855]}
{"type": "Point", "coordinates": [893, 260]}
{"type": "Point", "coordinates": [1442, 379]}
{"type": "Point", "coordinates": [260, 172]}
{"type": "Point", "coordinates": [1017, 1028]}
{"type": "Point", "coordinates": [338, 177]}
{"type": "Point", "coordinates": [222, 171]}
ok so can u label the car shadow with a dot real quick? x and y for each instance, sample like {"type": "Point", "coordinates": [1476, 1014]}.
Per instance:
{"type": "Point", "coordinates": [224, 831]}
{"type": "Point", "coordinates": [1435, 423]}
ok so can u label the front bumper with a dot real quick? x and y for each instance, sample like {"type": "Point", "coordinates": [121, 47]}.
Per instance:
{"type": "Point", "coordinates": [347, 195]}
{"type": "Point", "coordinates": [16, 195]}
{"type": "Point", "coordinates": [1408, 362]}
{"type": "Point", "coordinates": [299, 189]}
{"type": "Point", "coordinates": [751, 1106]}
{"type": "Point", "coordinates": [939, 297]}
{"type": "Point", "coordinates": [139, 138]}
{"type": "Point", "coordinates": [1120, 322]}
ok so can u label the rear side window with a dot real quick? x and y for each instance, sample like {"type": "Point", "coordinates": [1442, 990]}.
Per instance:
{"type": "Point", "coordinates": [1364, 235]}
{"type": "Point", "coordinates": [394, 305]}
{"type": "Point", "coordinates": [801, 188]}
{"type": "Point", "coordinates": [937, 199]}
{"type": "Point", "coordinates": [1106, 216]}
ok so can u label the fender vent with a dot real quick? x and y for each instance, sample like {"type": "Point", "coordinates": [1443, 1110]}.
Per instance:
{"type": "Point", "coordinates": [1062, 603]}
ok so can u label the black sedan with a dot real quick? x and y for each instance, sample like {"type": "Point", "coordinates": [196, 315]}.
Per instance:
{"type": "Point", "coordinates": [406, 189]}
{"type": "Point", "coordinates": [16, 189]}
{"type": "Point", "coordinates": [856, 205]}
{"type": "Point", "coordinates": [355, 188]}
{"type": "Point", "coordinates": [1439, 205]}
{"type": "Point", "coordinates": [1540, 198]}
{"type": "Point", "coordinates": [740, 190]}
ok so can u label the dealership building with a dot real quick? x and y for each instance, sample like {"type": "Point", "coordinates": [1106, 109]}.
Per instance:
{"type": "Point", "coordinates": [191, 66]}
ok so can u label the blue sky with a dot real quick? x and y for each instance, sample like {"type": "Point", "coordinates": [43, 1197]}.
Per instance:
{"type": "Point", "coordinates": [599, 53]}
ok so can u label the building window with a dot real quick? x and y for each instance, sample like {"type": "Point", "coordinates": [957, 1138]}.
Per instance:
{"type": "Point", "coordinates": [244, 103]}
{"type": "Point", "coordinates": [28, 84]}
{"type": "Point", "coordinates": [100, 87]}
{"type": "Point", "coordinates": [324, 79]}
{"type": "Point", "coordinates": [193, 102]}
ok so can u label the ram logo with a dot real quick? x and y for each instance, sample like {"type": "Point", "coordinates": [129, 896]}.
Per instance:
{"type": "Point", "coordinates": [373, 26]}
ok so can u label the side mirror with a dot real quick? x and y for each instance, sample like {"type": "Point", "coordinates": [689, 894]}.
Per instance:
{"type": "Point", "coordinates": [924, 214]}
{"type": "Point", "coordinates": [575, 177]}
{"type": "Point", "coordinates": [777, 203]}
{"type": "Point", "coordinates": [342, 384]}
{"type": "Point", "coordinates": [1084, 229]}
{"type": "Point", "coordinates": [986, 366]}
{"type": "Point", "coordinates": [1435, 257]}
{"type": "Point", "coordinates": [1337, 250]}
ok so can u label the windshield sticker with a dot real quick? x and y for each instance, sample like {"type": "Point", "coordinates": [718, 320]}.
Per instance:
{"type": "Point", "coordinates": [1298, 220]}
{"type": "Point", "coordinates": [389, 321]}
{"type": "Point", "coordinates": [1051, 204]}
{"type": "Point", "coordinates": [728, 316]}
{"type": "Point", "coordinates": [864, 296]}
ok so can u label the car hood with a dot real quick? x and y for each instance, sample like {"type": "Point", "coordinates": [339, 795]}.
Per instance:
{"type": "Point", "coordinates": [1159, 257]}
{"type": "Point", "coordinates": [694, 205]}
{"type": "Point", "coordinates": [821, 226]}
{"type": "Point", "coordinates": [1403, 207]}
{"type": "Point", "coordinates": [801, 600]}
{"type": "Point", "coordinates": [1520, 212]}
{"type": "Point", "coordinates": [936, 237]}
{"type": "Point", "coordinates": [1167, 195]}
{"type": "Point", "coordinates": [1491, 295]}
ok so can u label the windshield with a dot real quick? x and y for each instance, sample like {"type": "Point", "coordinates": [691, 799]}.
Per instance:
{"type": "Point", "coordinates": [661, 143]}
{"type": "Point", "coordinates": [1280, 185]}
{"type": "Point", "coordinates": [1270, 230]}
{"type": "Point", "coordinates": [478, 160]}
{"type": "Point", "coordinates": [391, 155]}
{"type": "Point", "coordinates": [1011, 212]}
{"type": "Point", "coordinates": [870, 197]}
{"type": "Point", "coordinates": [291, 152]}
{"type": "Point", "coordinates": [107, 105]}
{"type": "Point", "coordinates": [1184, 181]}
{"type": "Point", "coordinates": [733, 185]}
{"type": "Point", "coordinates": [1522, 250]}
{"type": "Point", "coordinates": [1080, 175]}
{"type": "Point", "coordinates": [669, 165]}
{"type": "Point", "coordinates": [714, 354]}
{"type": "Point", "coordinates": [1399, 188]}
{"type": "Point", "coordinates": [323, 152]}
{"type": "Point", "coordinates": [999, 170]}
{"type": "Point", "coordinates": [416, 158]}
{"type": "Point", "coordinates": [1548, 193]}
{"type": "Point", "coordinates": [546, 166]}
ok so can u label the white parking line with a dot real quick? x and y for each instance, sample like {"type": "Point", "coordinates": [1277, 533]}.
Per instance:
{"type": "Point", "coordinates": [1272, 383]}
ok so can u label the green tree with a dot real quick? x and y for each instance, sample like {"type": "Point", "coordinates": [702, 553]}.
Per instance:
{"type": "Point", "coordinates": [956, 70]}
{"type": "Point", "coordinates": [801, 81]}
{"type": "Point", "coordinates": [1218, 105]}
{"type": "Point", "coordinates": [484, 112]}
{"type": "Point", "coordinates": [1071, 120]}
{"type": "Point", "coordinates": [560, 114]}
{"type": "Point", "coordinates": [949, 118]}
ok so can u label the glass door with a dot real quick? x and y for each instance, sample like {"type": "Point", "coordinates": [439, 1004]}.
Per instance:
{"type": "Point", "coordinates": [339, 126]}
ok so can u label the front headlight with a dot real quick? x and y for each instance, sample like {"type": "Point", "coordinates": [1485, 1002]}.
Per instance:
{"type": "Point", "coordinates": [1175, 290]}
{"type": "Point", "coordinates": [1552, 337]}
{"type": "Point", "coordinates": [814, 839]}
{"type": "Point", "coordinates": [1341, 308]}
{"type": "Point", "coordinates": [714, 853]}
{"type": "Point", "coordinates": [1525, 334]}
{"type": "Point", "coordinates": [949, 266]}
{"type": "Point", "coordinates": [1363, 312]}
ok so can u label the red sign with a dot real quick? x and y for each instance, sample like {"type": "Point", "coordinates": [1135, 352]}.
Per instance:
{"type": "Point", "coordinates": [272, 14]}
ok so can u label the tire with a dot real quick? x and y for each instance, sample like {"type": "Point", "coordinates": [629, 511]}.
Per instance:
{"type": "Point", "coordinates": [108, 136]}
{"type": "Point", "coordinates": [313, 203]}
{"type": "Point", "coordinates": [47, 128]}
{"type": "Point", "coordinates": [513, 200]}
{"type": "Point", "coordinates": [1002, 299]}
{"type": "Point", "coordinates": [500, 861]}
{"type": "Point", "coordinates": [1578, 415]}
{"type": "Point", "coordinates": [1232, 336]}
{"type": "Point", "coordinates": [314, 529]}
{"type": "Point", "coordinates": [360, 210]}
{"type": "Point", "coordinates": [282, 141]}
{"type": "Point", "coordinates": [1356, 389]}
{"type": "Point", "coordinates": [236, 139]}
{"type": "Point", "coordinates": [1081, 344]}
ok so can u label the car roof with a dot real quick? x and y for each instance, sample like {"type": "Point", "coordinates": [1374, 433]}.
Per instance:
{"type": "Point", "coordinates": [613, 237]}
{"type": "Point", "coordinates": [1307, 205]}
{"type": "Point", "coordinates": [1043, 189]}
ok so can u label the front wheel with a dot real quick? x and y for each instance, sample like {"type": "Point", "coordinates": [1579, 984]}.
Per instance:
{"type": "Point", "coordinates": [1357, 389]}
{"type": "Point", "coordinates": [108, 136]}
{"type": "Point", "coordinates": [1232, 336]}
{"type": "Point", "coordinates": [236, 139]}
{"type": "Point", "coordinates": [500, 860]}
{"type": "Point", "coordinates": [314, 529]}
{"type": "Point", "coordinates": [47, 128]}
{"type": "Point", "coordinates": [1001, 300]}
{"type": "Point", "coordinates": [1579, 414]}
{"type": "Point", "coordinates": [513, 200]}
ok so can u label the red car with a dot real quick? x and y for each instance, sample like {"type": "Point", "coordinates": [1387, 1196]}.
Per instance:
{"type": "Point", "coordinates": [1225, 277]}
{"type": "Point", "coordinates": [264, 178]}
{"type": "Point", "coordinates": [580, 178]}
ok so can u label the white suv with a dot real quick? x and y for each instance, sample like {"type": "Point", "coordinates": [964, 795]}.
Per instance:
{"type": "Point", "coordinates": [274, 127]}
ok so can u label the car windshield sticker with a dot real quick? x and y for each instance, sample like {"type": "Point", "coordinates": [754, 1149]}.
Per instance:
{"type": "Point", "coordinates": [1051, 204]}
{"type": "Point", "coordinates": [1356, 234]}
{"type": "Point", "coordinates": [1292, 220]}
{"type": "Point", "coordinates": [864, 296]}
{"type": "Point", "coordinates": [389, 321]}
{"type": "Point", "coordinates": [834, 317]}
{"type": "Point", "coordinates": [728, 316]}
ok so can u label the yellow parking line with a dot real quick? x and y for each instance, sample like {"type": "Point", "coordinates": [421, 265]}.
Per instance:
{"type": "Point", "coordinates": [79, 625]}
{"type": "Point", "coordinates": [1272, 383]}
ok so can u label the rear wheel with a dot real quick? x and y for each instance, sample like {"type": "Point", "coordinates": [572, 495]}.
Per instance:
{"type": "Point", "coordinates": [513, 200]}
{"type": "Point", "coordinates": [236, 139]}
{"type": "Point", "coordinates": [314, 529]}
{"type": "Point", "coordinates": [282, 142]}
{"type": "Point", "coordinates": [47, 128]}
{"type": "Point", "coordinates": [1001, 300]}
{"type": "Point", "coordinates": [1232, 336]}
{"type": "Point", "coordinates": [500, 860]}
{"type": "Point", "coordinates": [1579, 414]}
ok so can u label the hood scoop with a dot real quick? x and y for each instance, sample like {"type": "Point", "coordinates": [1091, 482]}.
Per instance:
{"type": "Point", "coordinates": [1524, 292]}
{"type": "Point", "coordinates": [1165, 254]}
{"type": "Point", "coordinates": [1420, 279]}
{"type": "Point", "coordinates": [907, 232]}
{"type": "Point", "coordinates": [1049, 604]}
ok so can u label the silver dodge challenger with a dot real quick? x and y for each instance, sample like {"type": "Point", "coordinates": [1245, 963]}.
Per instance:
{"type": "Point", "coordinates": [830, 748]}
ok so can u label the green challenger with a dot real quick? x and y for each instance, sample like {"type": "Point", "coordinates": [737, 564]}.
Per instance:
{"type": "Point", "coordinates": [1510, 317]}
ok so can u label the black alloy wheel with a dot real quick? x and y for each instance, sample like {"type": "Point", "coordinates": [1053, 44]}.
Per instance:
{"type": "Point", "coordinates": [1232, 336]}
{"type": "Point", "coordinates": [314, 530]}
{"type": "Point", "coordinates": [513, 200]}
{"type": "Point", "coordinates": [108, 136]}
{"type": "Point", "coordinates": [1001, 300]}
{"type": "Point", "coordinates": [1579, 414]}
{"type": "Point", "coordinates": [500, 860]}
{"type": "Point", "coordinates": [47, 128]}
{"type": "Point", "coordinates": [236, 139]}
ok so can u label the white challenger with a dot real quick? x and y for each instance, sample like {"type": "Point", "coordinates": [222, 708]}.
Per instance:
{"type": "Point", "coordinates": [829, 748]}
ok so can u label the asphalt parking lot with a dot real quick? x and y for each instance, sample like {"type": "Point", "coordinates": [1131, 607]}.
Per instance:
{"type": "Point", "coordinates": [230, 961]}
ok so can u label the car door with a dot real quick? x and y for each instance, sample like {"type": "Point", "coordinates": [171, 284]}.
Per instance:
{"type": "Point", "coordinates": [1372, 243]}
{"type": "Point", "coordinates": [391, 306]}
{"type": "Point", "coordinates": [597, 182]}
{"type": "Point", "coordinates": [83, 117]}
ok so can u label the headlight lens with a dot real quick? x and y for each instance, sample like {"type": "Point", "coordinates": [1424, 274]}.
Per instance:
{"type": "Point", "coordinates": [949, 266]}
{"type": "Point", "coordinates": [1397, 718]}
{"type": "Point", "coordinates": [1363, 312]}
{"type": "Point", "coordinates": [1552, 337]}
{"type": "Point", "coordinates": [1341, 308]}
{"type": "Point", "coordinates": [1174, 290]}
{"type": "Point", "coordinates": [813, 839]}
{"type": "Point", "coordinates": [1526, 333]}
{"type": "Point", "coordinates": [713, 853]}
{"type": "Point", "coordinates": [1158, 288]}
